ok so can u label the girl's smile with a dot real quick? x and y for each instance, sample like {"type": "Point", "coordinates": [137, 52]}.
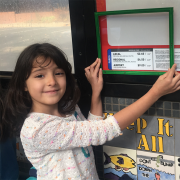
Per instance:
{"type": "Point", "coordinates": [46, 85]}
{"type": "Point", "coordinates": [51, 92]}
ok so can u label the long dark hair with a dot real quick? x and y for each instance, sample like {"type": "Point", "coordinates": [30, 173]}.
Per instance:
{"type": "Point", "coordinates": [17, 102]}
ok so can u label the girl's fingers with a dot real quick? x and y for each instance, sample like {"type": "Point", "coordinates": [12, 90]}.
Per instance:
{"type": "Point", "coordinates": [100, 74]}
{"type": "Point", "coordinates": [176, 87]}
{"type": "Point", "coordinates": [86, 72]}
{"type": "Point", "coordinates": [176, 78]}
{"type": "Point", "coordinates": [177, 84]}
{"type": "Point", "coordinates": [87, 68]}
{"type": "Point", "coordinates": [97, 66]}
{"type": "Point", "coordinates": [94, 63]}
{"type": "Point", "coordinates": [165, 74]}
{"type": "Point", "coordinates": [176, 73]}
{"type": "Point", "coordinates": [93, 70]}
{"type": "Point", "coordinates": [172, 71]}
{"type": "Point", "coordinates": [92, 67]}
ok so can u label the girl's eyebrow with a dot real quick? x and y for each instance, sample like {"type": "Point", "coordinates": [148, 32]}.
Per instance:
{"type": "Point", "coordinates": [41, 69]}
{"type": "Point", "coordinates": [37, 70]}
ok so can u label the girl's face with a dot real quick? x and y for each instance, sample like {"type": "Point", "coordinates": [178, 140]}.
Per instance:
{"type": "Point", "coordinates": [46, 85]}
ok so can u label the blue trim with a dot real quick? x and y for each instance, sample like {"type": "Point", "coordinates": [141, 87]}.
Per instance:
{"type": "Point", "coordinates": [31, 178]}
{"type": "Point", "coordinates": [75, 114]}
{"type": "Point", "coordinates": [84, 152]}
{"type": "Point", "coordinates": [109, 59]}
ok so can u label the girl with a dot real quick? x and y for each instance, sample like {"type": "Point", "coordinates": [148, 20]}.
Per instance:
{"type": "Point", "coordinates": [55, 135]}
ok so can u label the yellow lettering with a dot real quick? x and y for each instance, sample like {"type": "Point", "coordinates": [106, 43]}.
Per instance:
{"type": "Point", "coordinates": [153, 143]}
{"type": "Point", "coordinates": [144, 125]}
{"type": "Point", "coordinates": [144, 141]}
{"type": "Point", "coordinates": [138, 125]}
{"type": "Point", "coordinates": [111, 114]}
{"type": "Point", "coordinates": [160, 126]}
{"type": "Point", "coordinates": [167, 127]}
{"type": "Point", "coordinates": [105, 115]}
{"type": "Point", "coordinates": [161, 144]}
{"type": "Point", "coordinates": [131, 128]}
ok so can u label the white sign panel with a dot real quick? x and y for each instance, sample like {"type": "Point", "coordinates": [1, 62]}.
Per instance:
{"type": "Point", "coordinates": [142, 59]}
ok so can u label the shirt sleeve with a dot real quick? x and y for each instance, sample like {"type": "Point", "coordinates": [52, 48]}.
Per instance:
{"type": "Point", "coordinates": [61, 134]}
{"type": "Point", "coordinates": [90, 116]}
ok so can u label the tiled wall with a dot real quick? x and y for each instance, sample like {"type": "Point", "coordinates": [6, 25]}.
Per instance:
{"type": "Point", "coordinates": [111, 104]}
{"type": "Point", "coordinates": [160, 108]}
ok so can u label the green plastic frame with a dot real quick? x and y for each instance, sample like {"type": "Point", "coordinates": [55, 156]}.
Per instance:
{"type": "Point", "coordinates": [138, 11]}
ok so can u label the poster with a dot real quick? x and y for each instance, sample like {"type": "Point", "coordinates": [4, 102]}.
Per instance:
{"type": "Point", "coordinates": [151, 144]}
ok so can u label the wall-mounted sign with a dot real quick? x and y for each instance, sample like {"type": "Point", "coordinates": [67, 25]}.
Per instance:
{"type": "Point", "coordinates": [123, 51]}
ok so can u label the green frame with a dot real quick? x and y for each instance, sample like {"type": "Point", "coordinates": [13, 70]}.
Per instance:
{"type": "Point", "coordinates": [138, 11]}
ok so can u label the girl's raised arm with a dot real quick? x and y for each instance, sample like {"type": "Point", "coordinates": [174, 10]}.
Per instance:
{"type": "Point", "coordinates": [95, 78]}
{"type": "Point", "coordinates": [165, 84]}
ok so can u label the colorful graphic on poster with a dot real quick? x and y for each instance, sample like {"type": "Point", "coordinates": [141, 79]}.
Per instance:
{"type": "Point", "coordinates": [177, 162]}
{"type": "Point", "coordinates": [119, 163]}
{"type": "Point", "coordinates": [152, 166]}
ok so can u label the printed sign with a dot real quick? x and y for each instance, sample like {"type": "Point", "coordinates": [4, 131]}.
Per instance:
{"type": "Point", "coordinates": [142, 59]}
{"type": "Point", "coordinates": [130, 59]}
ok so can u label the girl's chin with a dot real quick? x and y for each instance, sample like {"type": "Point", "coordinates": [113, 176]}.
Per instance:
{"type": "Point", "coordinates": [52, 103]}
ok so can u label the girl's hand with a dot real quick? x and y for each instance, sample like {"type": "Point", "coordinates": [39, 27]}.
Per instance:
{"type": "Point", "coordinates": [167, 83]}
{"type": "Point", "coordinates": [94, 76]}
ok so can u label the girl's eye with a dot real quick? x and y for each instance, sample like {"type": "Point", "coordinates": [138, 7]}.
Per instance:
{"type": "Point", "coordinates": [60, 73]}
{"type": "Point", "coordinates": [39, 76]}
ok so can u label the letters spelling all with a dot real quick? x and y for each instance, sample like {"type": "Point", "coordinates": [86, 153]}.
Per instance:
{"type": "Point", "coordinates": [142, 124]}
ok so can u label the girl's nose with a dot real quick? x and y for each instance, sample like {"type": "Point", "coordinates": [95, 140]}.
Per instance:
{"type": "Point", "coordinates": [51, 80]}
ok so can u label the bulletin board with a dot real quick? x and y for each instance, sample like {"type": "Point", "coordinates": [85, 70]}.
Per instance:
{"type": "Point", "coordinates": [138, 33]}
